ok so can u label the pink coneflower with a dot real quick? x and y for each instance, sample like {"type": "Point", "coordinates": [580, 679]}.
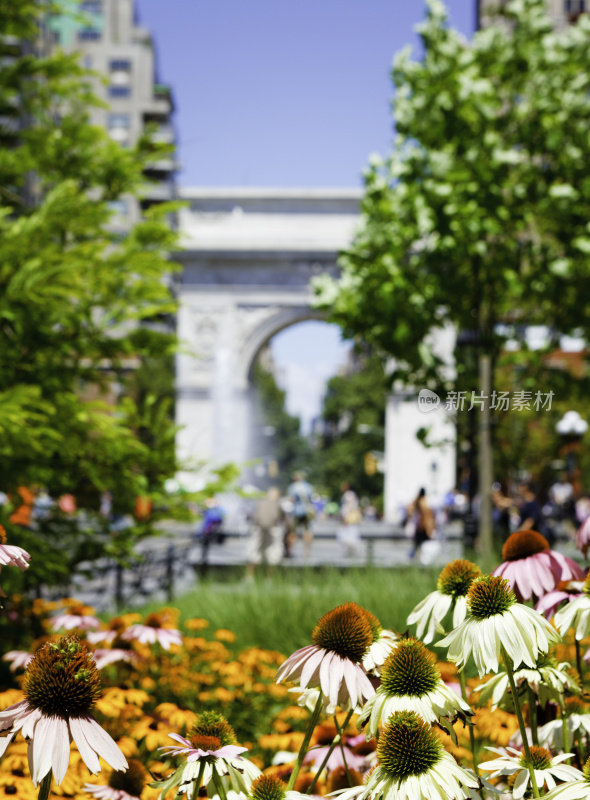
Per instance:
{"type": "Point", "coordinates": [583, 537]}
{"type": "Point", "coordinates": [152, 631]}
{"type": "Point", "coordinates": [122, 785]}
{"type": "Point", "coordinates": [567, 591]}
{"type": "Point", "coordinates": [333, 663]}
{"type": "Point", "coordinates": [61, 686]}
{"type": "Point", "coordinates": [104, 656]}
{"type": "Point", "coordinates": [11, 555]}
{"type": "Point", "coordinates": [18, 659]}
{"type": "Point", "coordinates": [531, 568]}
{"type": "Point", "coordinates": [95, 637]}
{"type": "Point", "coordinates": [77, 616]}
{"type": "Point", "coordinates": [339, 756]}
{"type": "Point", "coordinates": [211, 756]}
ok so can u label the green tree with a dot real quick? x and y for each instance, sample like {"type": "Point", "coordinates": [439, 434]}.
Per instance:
{"type": "Point", "coordinates": [479, 217]}
{"type": "Point", "coordinates": [353, 418]}
{"type": "Point", "coordinates": [284, 440]}
{"type": "Point", "coordinates": [80, 305]}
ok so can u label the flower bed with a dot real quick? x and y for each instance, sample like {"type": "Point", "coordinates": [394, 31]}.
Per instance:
{"type": "Point", "coordinates": [486, 699]}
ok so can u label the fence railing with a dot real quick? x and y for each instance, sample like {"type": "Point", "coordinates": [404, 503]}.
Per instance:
{"type": "Point", "coordinates": [163, 564]}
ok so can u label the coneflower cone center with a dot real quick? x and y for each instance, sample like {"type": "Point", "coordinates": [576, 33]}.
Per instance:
{"type": "Point", "coordinates": [409, 670]}
{"type": "Point", "coordinates": [522, 544]}
{"type": "Point", "coordinates": [408, 746]}
{"type": "Point", "coordinates": [488, 596]}
{"type": "Point", "coordinates": [200, 742]}
{"type": "Point", "coordinates": [3, 537]}
{"type": "Point", "coordinates": [132, 781]}
{"type": "Point", "coordinates": [267, 787]}
{"type": "Point", "coordinates": [213, 724]}
{"type": "Point", "coordinates": [62, 679]}
{"type": "Point", "coordinates": [587, 585]}
{"type": "Point", "coordinates": [456, 578]}
{"type": "Point", "coordinates": [586, 770]}
{"type": "Point", "coordinates": [376, 626]}
{"type": "Point", "coordinates": [345, 630]}
{"type": "Point", "coordinates": [540, 758]}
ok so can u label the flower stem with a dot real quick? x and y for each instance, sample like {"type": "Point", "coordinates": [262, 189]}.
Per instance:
{"type": "Point", "coordinates": [341, 742]}
{"type": "Point", "coordinates": [335, 741]}
{"type": "Point", "coordinates": [565, 729]}
{"type": "Point", "coordinates": [219, 786]}
{"type": "Point", "coordinates": [579, 666]}
{"type": "Point", "coordinates": [471, 733]}
{"type": "Point", "coordinates": [313, 721]}
{"type": "Point", "coordinates": [521, 725]}
{"type": "Point", "coordinates": [202, 766]}
{"type": "Point", "coordinates": [45, 787]}
{"type": "Point", "coordinates": [533, 715]}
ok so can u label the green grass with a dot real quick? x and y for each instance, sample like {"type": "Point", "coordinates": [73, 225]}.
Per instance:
{"type": "Point", "coordinates": [279, 612]}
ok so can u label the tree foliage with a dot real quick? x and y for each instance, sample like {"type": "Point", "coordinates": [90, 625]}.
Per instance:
{"type": "Point", "coordinates": [353, 417]}
{"type": "Point", "coordinates": [284, 441]}
{"type": "Point", "coordinates": [81, 304]}
{"type": "Point", "coordinates": [479, 216]}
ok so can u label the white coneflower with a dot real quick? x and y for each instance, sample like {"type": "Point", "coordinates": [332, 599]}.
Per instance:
{"type": "Point", "coordinates": [333, 663]}
{"type": "Point", "coordinates": [547, 768]}
{"type": "Point", "coordinates": [576, 614]}
{"type": "Point", "coordinates": [574, 790]}
{"type": "Point", "coordinates": [61, 686]}
{"type": "Point", "coordinates": [452, 587]}
{"type": "Point", "coordinates": [11, 555]}
{"type": "Point", "coordinates": [211, 754]}
{"type": "Point", "coordinates": [578, 722]}
{"type": "Point", "coordinates": [383, 643]}
{"type": "Point", "coordinates": [412, 765]}
{"type": "Point", "coordinates": [496, 620]}
{"type": "Point", "coordinates": [547, 679]}
{"type": "Point", "coordinates": [411, 681]}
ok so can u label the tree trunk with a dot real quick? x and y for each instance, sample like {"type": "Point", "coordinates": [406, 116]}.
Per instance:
{"type": "Point", "coordinates": [485, 539]}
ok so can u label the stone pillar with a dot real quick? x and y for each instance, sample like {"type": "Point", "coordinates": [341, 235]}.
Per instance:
{"type": "Point", "coordinates": [409, 465]}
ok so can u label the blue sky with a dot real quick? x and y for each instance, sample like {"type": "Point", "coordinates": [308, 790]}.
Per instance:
{"type": "Point", "coordinates": [282, 92]}
{"type": "Point", "coordinates": [285, 93]}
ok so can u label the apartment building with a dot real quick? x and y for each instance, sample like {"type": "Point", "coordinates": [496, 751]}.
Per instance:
{"type": "Point", "coordinates": [110, 42]}
{"type": "Point", "coordinates": [563, 12]}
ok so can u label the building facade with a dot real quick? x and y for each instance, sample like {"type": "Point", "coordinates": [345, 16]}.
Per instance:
{"type": "Point", "coordinates": [111, 43]}
{"type": "Point", "coordinates": [562, 12]}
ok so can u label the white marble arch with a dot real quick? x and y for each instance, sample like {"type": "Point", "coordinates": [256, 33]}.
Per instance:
{"type": "Point", "coordinates": [248, 257]}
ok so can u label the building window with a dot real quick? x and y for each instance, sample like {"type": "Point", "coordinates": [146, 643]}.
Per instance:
{"type": "Point", "coordinates": [119, 128]}
{"type": "Point", "coordinates": [89, 35]}
{"type": "Point", "coordinates": [91, 6]}
{"type": "Point", "coordinates": [119, 121]}
{"type": "Point", "coordinates": [120, 64]}
{"type": "Point", "coordinates": [119, 91]}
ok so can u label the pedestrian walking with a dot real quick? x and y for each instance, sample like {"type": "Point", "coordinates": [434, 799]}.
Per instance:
{"type": "Point", "coordinates": [300, 494]}
{"type": "Point", "coordinates": [422, 517]}
{"type": "Point", "coordinates": [267, 533]}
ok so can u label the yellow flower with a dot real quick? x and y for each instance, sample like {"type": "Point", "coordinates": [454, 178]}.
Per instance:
{"type": "Point", "coordinates": [196, 624]}
{"type": "Point", "coordinates": [177, 717]}
{"type": "Point", "coordinates": [10, 697]}
{"type": "Point", "coordinates": [223, 635]}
